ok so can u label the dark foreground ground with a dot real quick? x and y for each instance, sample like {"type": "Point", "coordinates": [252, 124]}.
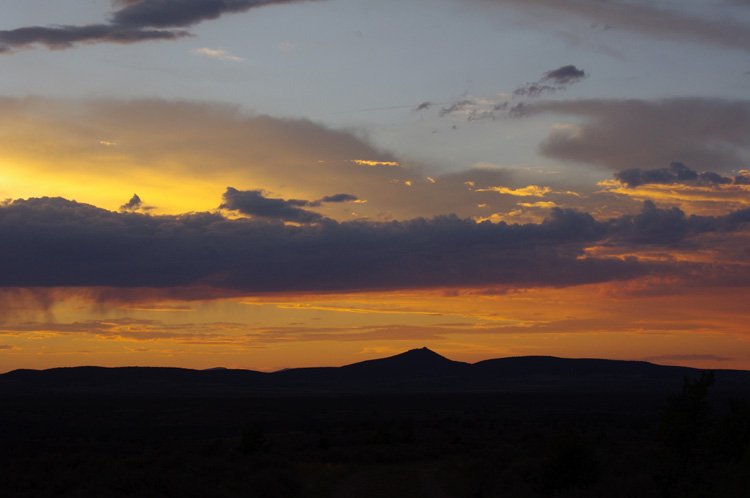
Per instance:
{"type": "Point", "coordinates": [441, 445]}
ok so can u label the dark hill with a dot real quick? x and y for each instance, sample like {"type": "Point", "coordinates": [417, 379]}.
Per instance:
{"type": "Point", "coordinates": [414, 363]}
{"type": "Point", "coordinates": [418, 370]}
{"type": "Point", "coordinates": [415, 371]}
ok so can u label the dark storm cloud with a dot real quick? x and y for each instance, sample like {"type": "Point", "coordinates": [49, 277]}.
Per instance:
{"type": "Point", "coordinates": [254, 203]}
{"type": "Point", "coordinates": [670, 226]}
{"type": "Point", "coordinates": [676, 173]}
{"type": "Point", "coordinates": [339, 198]}
{"type": "Point", "coordinates": [552, 81]}
{"type": "Point", "coordinates": [619, 133]}
{"type": "Point", "coordinates": [133, 204]}
{"type": "Point", "coordinates": [652, 226]}
{"type": "Point", "coordinates": [55, 242]}
{"type": "Point", "coordinates": [133, 22]}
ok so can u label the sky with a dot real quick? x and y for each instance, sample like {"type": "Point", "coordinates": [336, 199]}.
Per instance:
{"type": "Point", "coordinates": [267, 184]}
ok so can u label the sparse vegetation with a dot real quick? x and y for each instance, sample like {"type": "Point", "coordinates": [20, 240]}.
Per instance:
{"type": "Point", "coordinates": [459, 446]}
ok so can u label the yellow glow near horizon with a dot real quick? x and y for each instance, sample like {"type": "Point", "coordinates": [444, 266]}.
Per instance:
{"type": "Point", "coordinates": [22, 180]}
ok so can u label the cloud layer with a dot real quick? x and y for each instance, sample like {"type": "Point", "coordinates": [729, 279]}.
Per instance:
{"type": "Point", "coordinates": [661, 20]}
{"type": "Point", "coordinates": [134, 21]}
{"type": "Point", "coordinates": [53, 242]}
{"type": "Point", "coordinates": [676, 173]}
{"type": "Point", "coordinates": [623, 134]}
{"type": "Point", "coordinates": [147, 20]}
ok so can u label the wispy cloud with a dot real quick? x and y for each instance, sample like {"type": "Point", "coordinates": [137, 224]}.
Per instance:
{"type": "Point", "coordinates": [219, 54]}
{"type": "Point", "coordinates": [552, 81]}
{"type": "Point", "coordinates": [289, 48]}
{"type": "Point", "coordinates": [529, 191]}
{"type": "Point", "coordinates": [368, 162]}
{"type": "Point", "coordinates": [482, 109]}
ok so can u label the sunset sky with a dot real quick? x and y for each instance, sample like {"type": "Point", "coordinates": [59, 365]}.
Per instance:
{"type": "Point", "coordinates": [266, 184]}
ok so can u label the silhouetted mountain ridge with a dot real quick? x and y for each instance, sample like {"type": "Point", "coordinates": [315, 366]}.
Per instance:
{"type": "Point", "coordinates": [413, 362]}
{"type": "Point", "coordinates": [414, 371]}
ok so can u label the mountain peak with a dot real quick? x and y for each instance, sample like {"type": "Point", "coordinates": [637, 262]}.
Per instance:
{"type": "Point", "coordinates": [421, 353]}
{"type": "Point", "coordinates": [421, 360]}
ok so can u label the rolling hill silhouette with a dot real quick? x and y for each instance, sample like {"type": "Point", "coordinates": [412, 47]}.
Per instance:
{"type": "Point", "coordinates": [415, 371]}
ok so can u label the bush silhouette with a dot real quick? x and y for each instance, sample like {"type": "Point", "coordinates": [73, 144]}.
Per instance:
{"type": "Point", "coordinates": [571, 463]}
{"type": "Point", "coordinates": [254, 440]}
{"type": "Point", "coordinates": [686, 426]}
{"type": "Point", "coordinates": [687, 433]}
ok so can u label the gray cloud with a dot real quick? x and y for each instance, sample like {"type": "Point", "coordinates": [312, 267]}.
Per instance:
{"type": "Point", "coordinates": [182, 13]}
{"type": "Point", "coordinates": [671, 226]}
{"type": "Point", "coordinates": [133, 22]}
{"type": "Point", "coordinates": [339, 198]}
{"type": "Point", "coordinates": [663, 22]}
{"type": "Point", "coordinates": [53, 242]}
{"type": "Point", "coordinates": [456, 107]}
{"type": "Point", "coordinates": [474, 111]}
{"type": "Point", "coordinates": [61, 37]}
{"type": "Point", "coordinates": [619, 133]}
{"type": "Point", "coordinates": [552, 81]}
{"type": "Point", "coordinates": [533, 90]}
{"type": "Point", "coordinates": [565, 75]}
{"type": "Point", "coordinates": [676, 173]}
{"type": "Point", "coordinates": [255, 203]}
{"type": "Point", "coordinates": [123, 3]}
{"type": "Point", "coordinates": [133, 204]}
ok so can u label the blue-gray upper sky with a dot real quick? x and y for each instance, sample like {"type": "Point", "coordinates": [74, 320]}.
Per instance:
{"type": "Point", "coordinates": [367, 66]}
